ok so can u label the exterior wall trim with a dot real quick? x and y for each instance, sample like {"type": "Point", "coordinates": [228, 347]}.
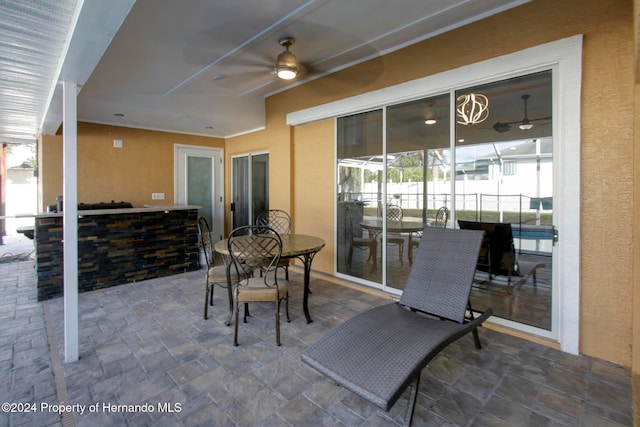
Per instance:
{"type": "Point", "coordinates": [565, 56]}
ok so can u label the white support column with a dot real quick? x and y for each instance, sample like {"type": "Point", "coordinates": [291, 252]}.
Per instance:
{"type": "Point", "coordinates": [70, 220]}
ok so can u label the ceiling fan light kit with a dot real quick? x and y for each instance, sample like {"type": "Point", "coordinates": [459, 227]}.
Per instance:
{"type": "Point", "coordinates": [287, 66]}
{"type": "Point", "coordinates": [525, 125]}
{"type": "Point", "coordinates": [431, 118]}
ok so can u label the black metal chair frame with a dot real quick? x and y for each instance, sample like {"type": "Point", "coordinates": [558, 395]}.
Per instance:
{"type": "Point", "coordinates": [219, 275]}
{"type": "Point", "coordinates": [257, 248]}
{"type": "Point", "coordinates": [359, 242]}
{"type": "Point", "coordinates": [279, 221]}
{"type": "Point", "coordinates": [395, 213]}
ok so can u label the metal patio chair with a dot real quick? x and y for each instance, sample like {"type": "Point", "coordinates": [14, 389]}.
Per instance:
{"type": "Point", "coordinates": [257, 249]}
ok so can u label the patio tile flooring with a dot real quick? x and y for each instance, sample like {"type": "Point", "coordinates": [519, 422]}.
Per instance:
{"type": "Point", "coordinates": [147, 344]}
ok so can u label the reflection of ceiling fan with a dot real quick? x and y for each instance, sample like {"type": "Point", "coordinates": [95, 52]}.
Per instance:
{"type": "Point", "coordinates": [524, 124]}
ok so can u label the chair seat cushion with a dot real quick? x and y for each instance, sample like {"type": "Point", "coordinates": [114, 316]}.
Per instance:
{"type": "Point", "coordinates": [395, 240]}
{"type": "Point", "coordinates": [363, 241]}
{"type": "Point", "coordinates": [254, 289]}
{"type": "Point", "coordinates": [377, 353]}
{"type": "Point", "coordinates": [218, 274]}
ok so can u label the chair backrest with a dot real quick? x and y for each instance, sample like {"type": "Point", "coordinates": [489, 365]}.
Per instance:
{"type": "Point", "coordinates": [205, 240]}
{"type": "Point", "coordinates": [498, 242]}
{"type": "Point", "coordinates": [394, 213]}
{"type": "Point", "coordinates": [276, 219]}
{"type": "Point", "coordinates": [255, 247]}
{"type": "Point", "coordinates": [442, 217]}
{"type": "Point", "coordinates": [349, 223]}
{"type": "Point", "coordinates": [441, 276]}
{"type": "Point", "coordinates": [353, 228]}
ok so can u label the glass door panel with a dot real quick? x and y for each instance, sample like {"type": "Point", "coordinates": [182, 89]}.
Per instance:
{"type": "Point", "coordinates": [416, 131]}
{"type": "Point", "coordinates": [359, 193]}
{"type": "Point", "coordinates": [240, 191]}
{"type": "Point", "coordinates": [259, 185]}
{"type": "Point", "coordinates": [200, 185]}
{"type": "Point", "coordinates": [504, 185]}
{"type": "Point", "coordinates": [249, 188]}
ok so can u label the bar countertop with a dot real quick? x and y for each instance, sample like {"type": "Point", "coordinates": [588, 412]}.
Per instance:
{"type": "Point", "coordinates": [145, 208]}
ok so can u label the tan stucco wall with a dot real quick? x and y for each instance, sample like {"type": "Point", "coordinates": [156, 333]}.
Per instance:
{"type": "Point", "coordinates": [302, 158]}
{"type": "Point", "coordinates": [144, 164]}
{"type": "Point", "coordinates": [314, 192]}
{"type": "Point", "coordinates": [607, 141]}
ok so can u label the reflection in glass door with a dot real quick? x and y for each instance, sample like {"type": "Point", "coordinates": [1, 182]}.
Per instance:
{"type": "Point", "coordinates": [416, 178]}
{"type": "Point", "coordinates": [504, 185]}
{"type": "Point", "coordinates": [249, 188]}
{"type": "Point", "coordinates": [359, 195]}
{"type": "Point", "coordinates": [479, 157]}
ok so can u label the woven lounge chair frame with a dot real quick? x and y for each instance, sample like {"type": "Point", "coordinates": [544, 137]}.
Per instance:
{"type": "Point", "coordinates": [379, 353]}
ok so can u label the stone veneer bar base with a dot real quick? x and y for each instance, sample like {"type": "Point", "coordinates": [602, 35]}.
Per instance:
{"type": "Point", "coordinates": [117, 248]}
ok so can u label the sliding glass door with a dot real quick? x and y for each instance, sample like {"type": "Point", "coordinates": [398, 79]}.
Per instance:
{"type": "Point", "coordinates": [249, 187]}
{"type": "Point", "coordinates": [359, 194]}
{"type": "Point", "coordinates": [474, 157]}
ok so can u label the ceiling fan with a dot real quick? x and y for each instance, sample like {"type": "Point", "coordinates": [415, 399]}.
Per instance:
{"type": "Point", "coordinates": [524, 124]}
{"type": "Point", "coordinates": [287, 65]}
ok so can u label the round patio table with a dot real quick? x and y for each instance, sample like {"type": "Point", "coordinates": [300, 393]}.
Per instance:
{"type": "Point", "coordinates": [300, 246]}
{"type": "Point", "coordinates": [374, 227]}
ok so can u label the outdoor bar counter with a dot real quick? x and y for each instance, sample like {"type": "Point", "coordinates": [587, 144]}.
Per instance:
{"type": "Point", "coordinates": [118, 246]}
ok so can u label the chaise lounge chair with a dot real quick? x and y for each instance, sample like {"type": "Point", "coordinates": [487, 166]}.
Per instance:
{"type": "Point", "coordinates": [379, 353]}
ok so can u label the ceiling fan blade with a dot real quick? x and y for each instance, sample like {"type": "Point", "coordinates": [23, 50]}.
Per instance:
{"type": "Point", "coordinates": [502, 127]}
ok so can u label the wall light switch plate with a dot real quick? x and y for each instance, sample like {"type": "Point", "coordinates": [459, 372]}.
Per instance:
{"type": "Point", "coordinates": [157, 196]}
{"type": "Point", "coordinates": [117, 143]}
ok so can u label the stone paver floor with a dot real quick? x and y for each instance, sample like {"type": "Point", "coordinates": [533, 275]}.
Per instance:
{"type": "Point", "coordinates": [147, 357]}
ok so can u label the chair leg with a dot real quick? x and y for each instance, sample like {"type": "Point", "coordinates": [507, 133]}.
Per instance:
{"type": "Point", "coordinates": [286, 307]}
{"type": "Point", "coordinates": [350, 256]}
{"type": "Point", "coordinates": [212, 286]}
{"type": "Point", "coordinates": [476, 336]}
{"type": "Point", "coordinates": [373, 253]}
{"type": "Point", "coordinates": [278, 321]}
{"type": "Point", "coordinates": [412, 401]}
{"type": "Point", "coordinates": [235, 329]}
{"type": "Point", "coordinates": [206, 302]}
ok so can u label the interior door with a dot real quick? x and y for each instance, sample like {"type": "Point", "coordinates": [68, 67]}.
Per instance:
{"type": "Point", "coordinates": [199, 178]}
